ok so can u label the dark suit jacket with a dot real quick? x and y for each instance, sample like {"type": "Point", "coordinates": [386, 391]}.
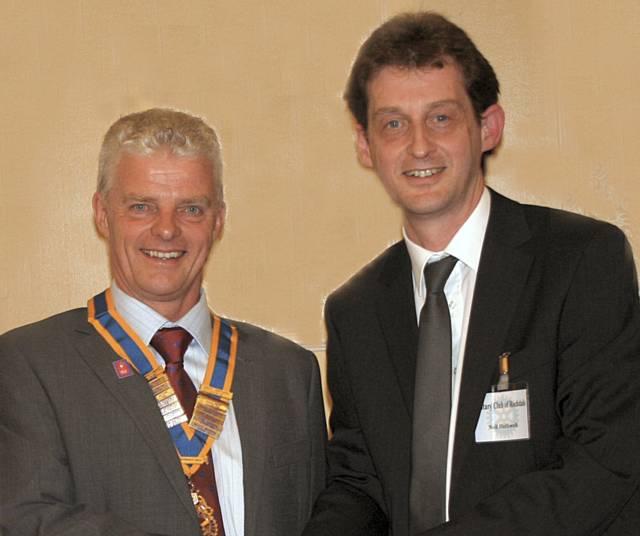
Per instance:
{"type": "Point", "coordinates": [85, 453]}
{"type": "Point", "coordinates": [559, 292]}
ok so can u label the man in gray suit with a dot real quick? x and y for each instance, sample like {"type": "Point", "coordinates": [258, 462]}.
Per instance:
{"type": "Point", "coordinates": [101, 428]}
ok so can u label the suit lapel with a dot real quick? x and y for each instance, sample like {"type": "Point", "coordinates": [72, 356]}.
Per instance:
{"type": "Point", "coordinates": [248, 401]}
{"type": "Point", "coordinates": [502, 275]}
{"type": "Point", "coordinates": [138, 403]}
{"type": "Point", "coordinates": [395, 308]}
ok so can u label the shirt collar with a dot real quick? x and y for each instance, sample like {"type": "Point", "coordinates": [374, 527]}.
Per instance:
{"type": "Point", "coordinates": [466, 244]}
{"type": "Point", "coordinates": [145, 321]}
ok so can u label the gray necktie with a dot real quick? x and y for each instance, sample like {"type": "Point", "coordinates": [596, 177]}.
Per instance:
{"type": "Point", "coordinates": [431, 403]}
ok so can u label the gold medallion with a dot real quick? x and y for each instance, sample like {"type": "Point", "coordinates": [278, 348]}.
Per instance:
{"type": "Point", "coordinates": [210, 411]}
{"type": "Point", "coordinates": [208, 523]}
{"type": "Point", "coordinates": [168, 402]}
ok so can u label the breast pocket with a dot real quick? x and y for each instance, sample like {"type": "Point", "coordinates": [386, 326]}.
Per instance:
{"type": "Point", "coordinates": [524, 363]}
{"type": "Point", "coordinates": [537, 368]}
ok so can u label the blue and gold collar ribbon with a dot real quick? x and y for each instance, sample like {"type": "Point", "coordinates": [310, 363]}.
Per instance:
{"type": "Point", "coordinates": [193, 440]}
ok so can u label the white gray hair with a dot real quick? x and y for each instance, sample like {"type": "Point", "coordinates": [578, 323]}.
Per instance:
{"type": "Point", "coordinates": [159, 129]}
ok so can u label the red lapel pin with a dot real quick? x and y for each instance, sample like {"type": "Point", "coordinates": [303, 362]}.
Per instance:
{"type": "Point", "coordinates": [123, 368]}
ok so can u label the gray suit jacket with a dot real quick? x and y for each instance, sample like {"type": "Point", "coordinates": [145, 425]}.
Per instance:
{"type": "Point", "coordinates": [83, 452]}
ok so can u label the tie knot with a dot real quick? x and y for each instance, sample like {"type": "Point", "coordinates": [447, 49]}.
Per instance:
{"type": "Point", "coordinates": [171, 344]}
{"type": "Point", "coordinates": [437, 273]}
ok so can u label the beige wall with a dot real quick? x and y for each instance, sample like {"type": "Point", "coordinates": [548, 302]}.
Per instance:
{"type": "Point", "coordinates": [268, 74]}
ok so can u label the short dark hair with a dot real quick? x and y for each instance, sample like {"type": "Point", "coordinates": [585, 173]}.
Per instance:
{"type": "Point", "coordinates": [415, 40]}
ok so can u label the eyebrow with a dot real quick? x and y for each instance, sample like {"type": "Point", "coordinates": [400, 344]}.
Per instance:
{"type": "Point", "coordinates": [137, 198]}
{"type": "Point", "coordinates": [432, 106]}
{"type": "Point", "coordinates": [202, 200]}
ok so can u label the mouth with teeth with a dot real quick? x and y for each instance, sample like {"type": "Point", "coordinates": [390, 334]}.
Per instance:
{"type": "Point", "coordinates": [422, 173]}
{"type": "Point", "coordinates": [163, 255]}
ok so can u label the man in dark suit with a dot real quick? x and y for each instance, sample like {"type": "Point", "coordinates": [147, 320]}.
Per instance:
{"type": "Point", "coordinates": [523, 418]}
{"type": "Point", "coordinates": [102, 431]}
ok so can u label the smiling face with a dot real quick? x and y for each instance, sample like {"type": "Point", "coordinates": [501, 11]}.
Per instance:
{"type": "Point", "coordinates": [160, 218]}
{"type": "Point", "coordinates": [425, 143]}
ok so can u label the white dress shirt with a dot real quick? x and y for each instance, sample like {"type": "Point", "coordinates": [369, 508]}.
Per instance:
{"type": "Point", "coordinates": [226, 452]}
{"type": "Point", "coordinates": [466, 246]}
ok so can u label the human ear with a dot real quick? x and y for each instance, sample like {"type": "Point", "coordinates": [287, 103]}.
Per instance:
{"type": "Point", "coordinates": [491, 127]}
{"type": "Point", "coordinates": [100, 214]}
{"type": "Point", "coordinates": [219, 221]}
{"type": "Point", "coordinates": [362, 147]}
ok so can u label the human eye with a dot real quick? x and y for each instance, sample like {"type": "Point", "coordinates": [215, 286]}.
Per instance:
{"type": "Point", "coordinates": [440, 119]}
{"type": "Point", "coordinates": [139, 208]}
{"type": "Point", "coordinates": [443, 117]}
{"type": "Point", "coordinates": [392, 126]}
{"type": "Point", "coordinates": [193, 210]}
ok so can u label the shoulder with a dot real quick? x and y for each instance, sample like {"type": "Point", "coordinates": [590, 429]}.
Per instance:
{"type": "Point", "coordinates": [280, 365]}
{"type": "Point", "coordinates": [569, 226]}
{"type": "Point", "coordinates": [391, 263]}
{"type": "Point", "coordinates": [256, 339]}
{"type": "Point", "coordinates": [45, 346]}
{"type": "Point", "coordinates": [49, 331]}
{"type": "Point", "coordinates": [558, 229]}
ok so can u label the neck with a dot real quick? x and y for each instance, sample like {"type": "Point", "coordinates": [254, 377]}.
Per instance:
{"type": "Point", "coordinates": [433, 239]}
{"type": "Point", "coordinates": [172, 308]}
{"type": "Point", "coordinates": [435, 231]}
{"type": "Point", "coordinates": [172, 311]}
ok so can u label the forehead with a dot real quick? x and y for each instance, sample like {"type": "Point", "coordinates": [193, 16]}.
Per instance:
{"type": "Point", "coordinates": [402, 87]}
{"type": "Point", "coordinates": [162, 168]}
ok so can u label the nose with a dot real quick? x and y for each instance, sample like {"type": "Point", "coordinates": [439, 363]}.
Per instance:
{"type": "Point", "coordinates": [420, 144]}
{"type": "Point", "coordinates": [165, 225]}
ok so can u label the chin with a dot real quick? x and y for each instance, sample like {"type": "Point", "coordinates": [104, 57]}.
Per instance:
{"type": "Point", "coordinates": [161, 292]}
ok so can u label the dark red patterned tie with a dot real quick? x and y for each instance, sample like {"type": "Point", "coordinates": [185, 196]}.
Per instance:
{"type": "Point", "coordinates": [171, 344]}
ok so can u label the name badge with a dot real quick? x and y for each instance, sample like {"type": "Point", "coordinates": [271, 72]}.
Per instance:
{"type": "Point", "coordinates": [504, 415]}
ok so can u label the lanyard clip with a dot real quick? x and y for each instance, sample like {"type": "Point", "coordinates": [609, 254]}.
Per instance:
{"type": "Point", "coordinates": [503, 366]}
